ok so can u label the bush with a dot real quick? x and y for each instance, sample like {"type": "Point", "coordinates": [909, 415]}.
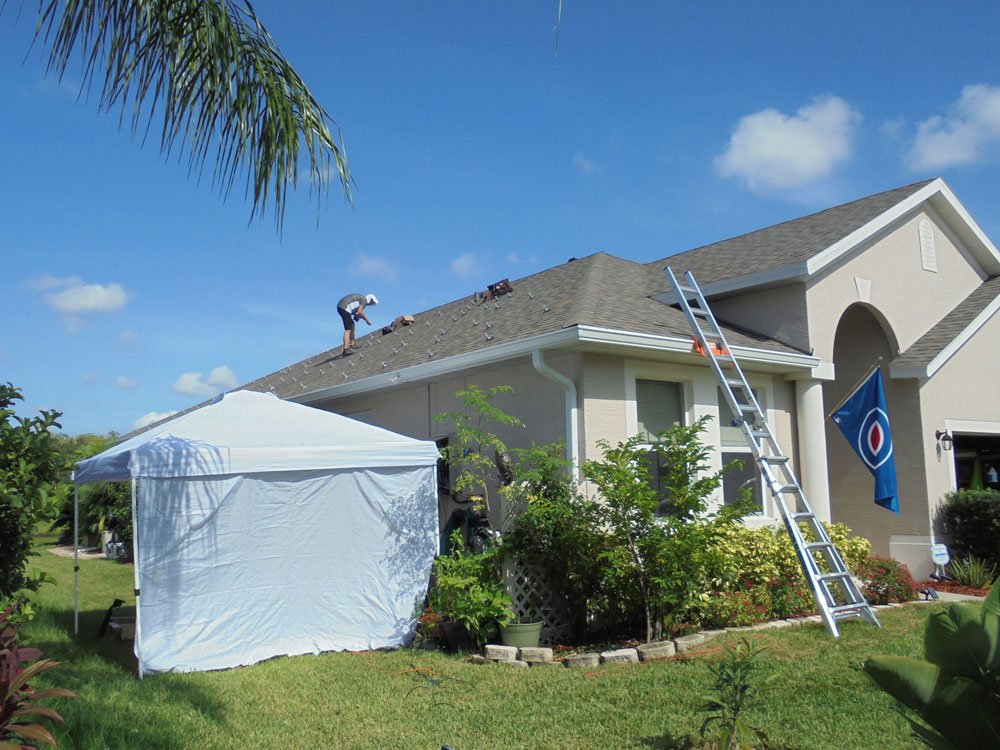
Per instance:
{"type": "Point", "coordinates": [555, 530]}
{"type": "Point", "coordinates": [885, 580]}
{"type": "Point", "coordinates": [971, 520]}
{"type": "Point", "coordinates": [973, 572]}
{"type": "Point", "coordinates": [468, 589]}
{"type": "Point", "coordinates": [30, 491]}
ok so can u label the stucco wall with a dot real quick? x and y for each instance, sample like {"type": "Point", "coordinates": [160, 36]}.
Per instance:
{"type": "Point", "coordinates": [964, 396]}
{"type": "Point", "coordinates": [779, 313]}
{"type": "Point", "coordinates": [911, 299]}
{"type": "Point", "coordinates": [861, 340]}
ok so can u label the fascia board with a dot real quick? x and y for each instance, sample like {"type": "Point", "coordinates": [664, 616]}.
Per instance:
{"type": "Point", "coordinates": [949, 351]}
{"type": "Point", "coordinates": [554, 339]}
{"type": "Point", "coordinates": [847, 243]}
{"type": "Point", "coordinates": [631, 339]}
{"type": "Point", "coordinates": [781, 275]}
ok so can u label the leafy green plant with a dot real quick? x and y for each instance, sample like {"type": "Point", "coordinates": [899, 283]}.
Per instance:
{"type": "Point", "coordinates": [660, 551]}
{"type": "Point", "coordinates": [18, 699]}
{"type": "Point", "coordinates": [30, 491]}
{"type": "Point", "coordinates": [555, 530]}
{"type": "Point", "coordinates": [738, 690]}
{"type": "Point", "coordinates": [885, 580]}
{"type": "Point", "coordinates": [970, 520]}
{"type": "Point", "coordinates": [974, 572]}
{"type": "Point", "coordinates": [473, 448]}
{"type": "Point", "coordinates": [468, 589]}
{"type": "Point", "coordinates": [955, 690]}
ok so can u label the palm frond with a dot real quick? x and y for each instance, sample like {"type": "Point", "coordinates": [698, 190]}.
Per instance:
{"type": "Point", "coordinates": [228, 97]}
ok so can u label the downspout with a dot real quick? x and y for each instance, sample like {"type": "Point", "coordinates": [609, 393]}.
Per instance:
{"type": "Point", "coordinates": [572, 428]}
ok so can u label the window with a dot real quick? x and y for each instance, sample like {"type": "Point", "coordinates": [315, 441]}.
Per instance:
{"type": "Point", "coordinates": [443, 469]}
{"type": "Point", "coordinates": [735, 448]}
{"type": "Point", "coordinates": [736, 479]}
{"type": "Point", "coordinates": [658, 405]}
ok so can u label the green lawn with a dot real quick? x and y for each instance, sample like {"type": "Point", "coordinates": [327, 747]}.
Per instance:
{"type": "Point", "coordinates": [378, 700]}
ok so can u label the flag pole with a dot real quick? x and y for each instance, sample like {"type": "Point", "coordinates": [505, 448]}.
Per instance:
{"type": "Point", "coordinates": [855, 387]}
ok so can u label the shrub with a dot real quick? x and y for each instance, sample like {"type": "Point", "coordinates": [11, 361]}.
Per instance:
{"type": "Point", "coordinates": [885, 580]}
{"type": "Point", "coordinates": [468, 589]}
{"type": "Point", "coordinates": [733, 609]}
{"type": "Point", "coordinates": [30, 469]}
{"type": "Point", "coordinates": [971, 520]}
{"type": "Point", "coordinates": [973, 572]}
{"type": "Point", "coordinates": [555, 530]}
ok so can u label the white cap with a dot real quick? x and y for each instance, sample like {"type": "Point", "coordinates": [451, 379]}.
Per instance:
{"type": "Point", "coordinates": [372, 299]}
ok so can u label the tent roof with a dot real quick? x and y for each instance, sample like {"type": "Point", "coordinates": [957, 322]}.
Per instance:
{"type": "Point", "coordinates": [245, 432]}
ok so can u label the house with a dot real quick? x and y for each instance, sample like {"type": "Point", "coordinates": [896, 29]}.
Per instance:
{"type": "Point", "coordinates": [594, 349]}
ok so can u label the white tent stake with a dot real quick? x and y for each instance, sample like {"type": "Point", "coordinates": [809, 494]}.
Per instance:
{"type": "Point", "coordinates": [135, 565]}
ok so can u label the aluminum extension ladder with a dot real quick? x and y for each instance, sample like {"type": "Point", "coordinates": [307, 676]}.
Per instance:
{"type": "Point", "coordinates": [836, 593]}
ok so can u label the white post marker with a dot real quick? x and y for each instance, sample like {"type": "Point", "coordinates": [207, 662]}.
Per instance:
{"type": "Point", "coordinates": [76, 556]}
{"type": "Point", "coordinates": [940, 558]}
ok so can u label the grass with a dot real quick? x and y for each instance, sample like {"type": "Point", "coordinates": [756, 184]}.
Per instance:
{"type": "Point", "coordinates": [418, 699]}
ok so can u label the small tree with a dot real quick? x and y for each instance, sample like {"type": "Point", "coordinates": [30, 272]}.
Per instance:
{"type": "Point", "coordinates": [660, 559]}
{"type": "Point", "coordinates": [31, 466]}
{"type": "Point", "coordinates": [474, 447]}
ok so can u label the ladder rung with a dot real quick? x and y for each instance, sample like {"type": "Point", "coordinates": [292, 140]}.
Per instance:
{"type": "Point", "coordinates": [833, 576]}
{"type": "Point", "coordinates": [687, 290]}
{"type": "Point", "coordinates": [819, 545]}
{"type": "Point", "coordinates": [747, 407]}
{"type": "Point", "coordinates": [761, 433]}
{"type": "Point", "coordinates": [701, 312]}
{"type": "Point", "coordinates": [843, 609]}
{"type": "Point", "coordinates": [735, 383]}
{"type": "Point", "coordinates": [776, 459]}
{"type": "Point", "coordinates": [790, 488]}
{"type": "Point", "coordinates": [803, 516]}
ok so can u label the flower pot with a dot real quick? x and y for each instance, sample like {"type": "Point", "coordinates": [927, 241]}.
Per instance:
{"type": "Point", "coordinates": [521, 634]}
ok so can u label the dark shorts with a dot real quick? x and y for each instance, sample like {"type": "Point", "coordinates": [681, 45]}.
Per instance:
{"type": "Point", "coordinates": [346, 317]}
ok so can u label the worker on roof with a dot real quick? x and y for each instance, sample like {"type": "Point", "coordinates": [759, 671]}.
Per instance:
{"type": "Point", "coordinates": [352, 309]}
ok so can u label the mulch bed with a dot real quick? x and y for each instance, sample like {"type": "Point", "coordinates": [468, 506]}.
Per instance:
{"type": "Point", "coordinates": [952, 587]}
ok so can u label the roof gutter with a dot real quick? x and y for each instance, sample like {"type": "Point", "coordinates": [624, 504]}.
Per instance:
{"type": "Point", "coordinates": [561, 339]}
{"type": "Point", "coordinates": [572, 412]}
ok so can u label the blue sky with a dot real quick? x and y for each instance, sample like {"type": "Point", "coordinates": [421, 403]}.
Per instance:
{"type": "Point", "coordinates": [479, 154]}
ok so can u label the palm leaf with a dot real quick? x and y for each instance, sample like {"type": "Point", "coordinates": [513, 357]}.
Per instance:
{"type": "Point", "coordinates": [229, 99]}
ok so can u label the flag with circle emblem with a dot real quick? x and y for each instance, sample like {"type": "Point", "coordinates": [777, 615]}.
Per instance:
{"type": "Point", "coordinates": [864, 420]}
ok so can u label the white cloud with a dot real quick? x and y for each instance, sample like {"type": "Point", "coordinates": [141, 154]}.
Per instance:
{"type": "Point", "coordinates": [218, 380]}
{"type": "Point", "coordinates": [769, 149]}
{"type": "Point", "coordinates": [151, 418]}
{"type": "Point", "coordinates": [466, 265]}
{"type": "Point", "coordinates": [89, 298]}
{"type": "Point", "coordinates": [892, 128]}
{"type": "Point", "coordinates": [128, 340]}
{"type": "Point", "coordinates": [125, 382]}
{"type": "Point", "coordinates": [372, 265]}
{"type": "Point", "coordinates": [961, 138]}
{"type": "Point", "coordinates": [585, 164]}
{"type": "Point", "coordinates": [45, 282]}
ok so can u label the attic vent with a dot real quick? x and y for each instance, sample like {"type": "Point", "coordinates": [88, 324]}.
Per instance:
{"type": "Point", "coordinates": [928, 254]}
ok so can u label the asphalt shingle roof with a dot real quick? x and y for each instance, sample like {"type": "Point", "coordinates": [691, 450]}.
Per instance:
{"type": "Point", "coordinates": [599, 290]}
{"type": "Point", "coordinates": [932, 343]}
{"type": "Point", "coordinates": [794, 241]}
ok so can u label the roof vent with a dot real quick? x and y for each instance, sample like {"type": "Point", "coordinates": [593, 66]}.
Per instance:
{"type": "Point", "coordinates": [928, 253]}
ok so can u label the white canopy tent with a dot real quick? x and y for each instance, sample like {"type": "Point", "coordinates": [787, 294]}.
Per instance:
{"type": "Point", "coordinates": [264, 528]}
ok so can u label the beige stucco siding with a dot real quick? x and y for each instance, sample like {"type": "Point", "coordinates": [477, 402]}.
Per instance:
{"type": "Point", "coordinates": [779, 313]}
{"type": "Point", "coordinates": [964, 396]}
{"type": "Point", "coordinates": [910, 299]}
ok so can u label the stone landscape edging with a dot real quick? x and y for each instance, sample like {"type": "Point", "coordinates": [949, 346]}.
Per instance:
{"type": "Point", "coordinates": [524, 658]}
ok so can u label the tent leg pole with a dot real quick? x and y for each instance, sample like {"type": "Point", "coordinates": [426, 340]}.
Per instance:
{"type": "Point", "coordinates": [135, 566]}
{"type": "Point", "coordinates": [76, 560]}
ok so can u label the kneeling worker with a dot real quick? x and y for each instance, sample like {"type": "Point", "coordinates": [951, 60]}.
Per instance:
{"type": "Point", "coordinates": [351, 309]}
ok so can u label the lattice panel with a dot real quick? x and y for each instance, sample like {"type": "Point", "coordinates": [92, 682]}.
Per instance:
{"type": "Point", "coordinates": [533, 599]}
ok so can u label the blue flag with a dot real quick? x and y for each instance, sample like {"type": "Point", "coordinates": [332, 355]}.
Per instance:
{"type": "Point", "coordinates": [864, 420]}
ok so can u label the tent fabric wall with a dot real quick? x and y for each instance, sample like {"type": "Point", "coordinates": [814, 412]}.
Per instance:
{"type": "Point", "coordinates": [268, 528]}
{"type": "Point", "coordinates": [234, 570]}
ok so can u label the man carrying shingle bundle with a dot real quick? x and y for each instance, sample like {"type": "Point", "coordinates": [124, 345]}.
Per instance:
{"type": "Point", "coordinates": [352, 309]}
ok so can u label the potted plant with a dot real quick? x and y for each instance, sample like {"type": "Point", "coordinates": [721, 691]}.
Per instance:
{"type": "Point", "coordinates": [525, 632]}
{"type": "Point", "coordinates": [468, 594]}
